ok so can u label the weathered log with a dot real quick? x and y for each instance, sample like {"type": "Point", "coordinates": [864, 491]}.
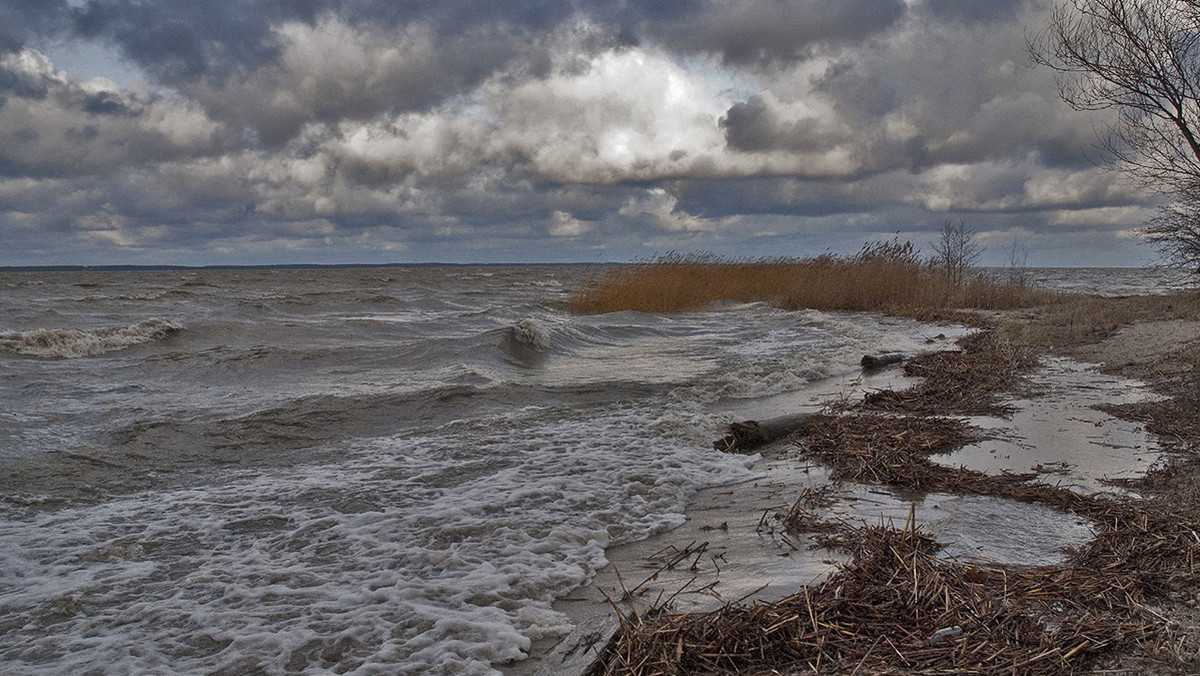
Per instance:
{"type": "Point", "coordinates": [749, 434]}
{"type": "Point", "coordinates": [878, 361]}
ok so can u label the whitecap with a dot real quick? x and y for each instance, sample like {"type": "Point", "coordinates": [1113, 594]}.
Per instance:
{"type": "Point", "coordinates": [72, 343]}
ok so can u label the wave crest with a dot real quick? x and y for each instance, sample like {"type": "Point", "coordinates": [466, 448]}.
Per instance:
{"type": "Point", "coordinates": [528, 333]}
{"type": "Point", "coordinates": [71, 343]}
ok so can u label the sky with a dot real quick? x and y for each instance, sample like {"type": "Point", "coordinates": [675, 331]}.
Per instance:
{"type": "Point", "coordinates": [198, 132]}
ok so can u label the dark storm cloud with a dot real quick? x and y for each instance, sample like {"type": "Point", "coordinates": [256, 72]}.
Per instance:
{"type": "Point", "coordinates": [973, 11]}
{"type": "Point", "coordinates": [333, 70]}
{"type": "Point", "coordinates": [456, 17]}
{"type": "Point", "coordinates": [782, 196]}
{"type": "Point", "coordinates": [180, 40]}
{"type": "Point", "coordinates": [22, 19]}
{"type": "Point", "coordinates": [23, 82]}
{"type": "Point", "coordinates": [106, 103]}
{"type": "Point", "coordinates": [186, 39]}
{"type": "Point", "coordinates": [274, 66]}
{"type": "Point", "coordinates": [862, 95]}
{"type": "Point", "coordinates": [51, 127]}
{"type": "Point", "coordinates": [750, 31]}
{"type": "Point", "coordinates": [753, 126]}
{"type": "Point", "coordinates": [240, 59]}
{"type": "Point", "coordinates": [943, 92]}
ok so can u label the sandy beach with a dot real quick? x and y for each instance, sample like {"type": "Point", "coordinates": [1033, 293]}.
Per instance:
{"type": "Point", "coordinates": [1093, 416]}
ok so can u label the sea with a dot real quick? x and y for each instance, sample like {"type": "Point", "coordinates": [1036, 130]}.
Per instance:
{"type": "Point", "coordinates": [390, 470]}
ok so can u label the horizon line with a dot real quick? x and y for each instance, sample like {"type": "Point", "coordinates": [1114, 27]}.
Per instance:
{"type": "Point", "coordinates": [318, 266]}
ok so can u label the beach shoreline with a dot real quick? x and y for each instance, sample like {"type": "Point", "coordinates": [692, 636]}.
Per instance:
{"type": "Point", "coordinates": [1145, 350]}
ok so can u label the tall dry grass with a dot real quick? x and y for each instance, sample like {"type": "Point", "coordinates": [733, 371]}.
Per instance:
{"type": "Point", "coordinates": [885, 277]}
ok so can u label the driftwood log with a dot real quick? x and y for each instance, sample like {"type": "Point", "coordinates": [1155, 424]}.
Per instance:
{"type": "Point", "coordinates": [750, 434]}
{"type": "Point", "coordinates": [870, 362]}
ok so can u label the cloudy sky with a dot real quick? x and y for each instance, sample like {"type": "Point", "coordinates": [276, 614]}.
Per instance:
{"type": "Point", "coordinates": [335, 131]}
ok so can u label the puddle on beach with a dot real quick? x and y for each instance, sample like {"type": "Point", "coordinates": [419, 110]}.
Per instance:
{"type": "Point", "coordinates": [972, 526]}
{"type": "Point", "coordinates": [1059, 433]}
{"type": "Point", "coordinates": [731, 550]}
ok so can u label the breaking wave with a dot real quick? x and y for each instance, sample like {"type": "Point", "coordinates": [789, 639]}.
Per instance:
{"type": "Point", "coordinates": [527, 343]}
{"type": "Point", "coordinates": [529, 333]}
{"type": "Point", "coordinates": [71, 343]}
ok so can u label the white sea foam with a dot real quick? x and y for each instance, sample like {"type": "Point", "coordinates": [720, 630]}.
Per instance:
{"type": "Point", "coordinates": [70, 343]}
{"type": "Point", "coordinates": [816, 346]}
{"type": "Point", "coordinates": [438, 554]}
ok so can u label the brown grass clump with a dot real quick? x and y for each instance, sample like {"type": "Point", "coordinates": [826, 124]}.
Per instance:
{"type": "Point", "coordinates": [884, 450]}
{"type": "Point", "coordinates": [886, 277]}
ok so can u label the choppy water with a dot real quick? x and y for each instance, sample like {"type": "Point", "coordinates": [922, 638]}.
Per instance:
{"type": "Point", "coordinates": [1103, 281]}
{"type": "Point", "coordinates": [362, 471]}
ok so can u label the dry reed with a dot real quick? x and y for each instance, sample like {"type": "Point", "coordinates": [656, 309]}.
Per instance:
{"type": "Point", "coordinates": [885, 277]}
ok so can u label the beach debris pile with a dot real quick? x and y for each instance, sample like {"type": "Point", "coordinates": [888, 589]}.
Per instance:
{"type": "Point", "coordinates": [898, 608]}
{"type": "Point", "coordinates": [969, 381]}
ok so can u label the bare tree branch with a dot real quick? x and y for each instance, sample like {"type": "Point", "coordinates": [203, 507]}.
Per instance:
{"type": "Point", "coordinates": [1140, 58]}
{"type": "Point", "coordinates": [956, 252]}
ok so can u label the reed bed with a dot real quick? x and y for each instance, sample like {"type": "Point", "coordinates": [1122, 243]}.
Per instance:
{"type": "Point", "coordinates": [884, 277]}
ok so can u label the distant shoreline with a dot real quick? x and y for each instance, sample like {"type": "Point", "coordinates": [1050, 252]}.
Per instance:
{"type": "Point", "coordinates": [360, 266]}
{"type": "Point", "coordinates": [282, 266]}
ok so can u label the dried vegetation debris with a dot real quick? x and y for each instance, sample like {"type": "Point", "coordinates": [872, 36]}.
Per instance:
{"type": "Point", "coordinates": [886, 450]}
{"type": "Point", "coordinates": [899, 607]}
{"type": "Point", "coordinates": [894, 451]}
{"type": "Point", "coordinates": [896, 609]}
{"type": "Point", "coordinates": [969, 381]}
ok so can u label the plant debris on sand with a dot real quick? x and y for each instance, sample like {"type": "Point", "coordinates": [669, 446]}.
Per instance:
{"type": "Point", "coordinates": [970, 381]}
{"type": "Point", "coordinates": [880, 615]}
{"type": "Point", "coordinates": [899, 607]}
